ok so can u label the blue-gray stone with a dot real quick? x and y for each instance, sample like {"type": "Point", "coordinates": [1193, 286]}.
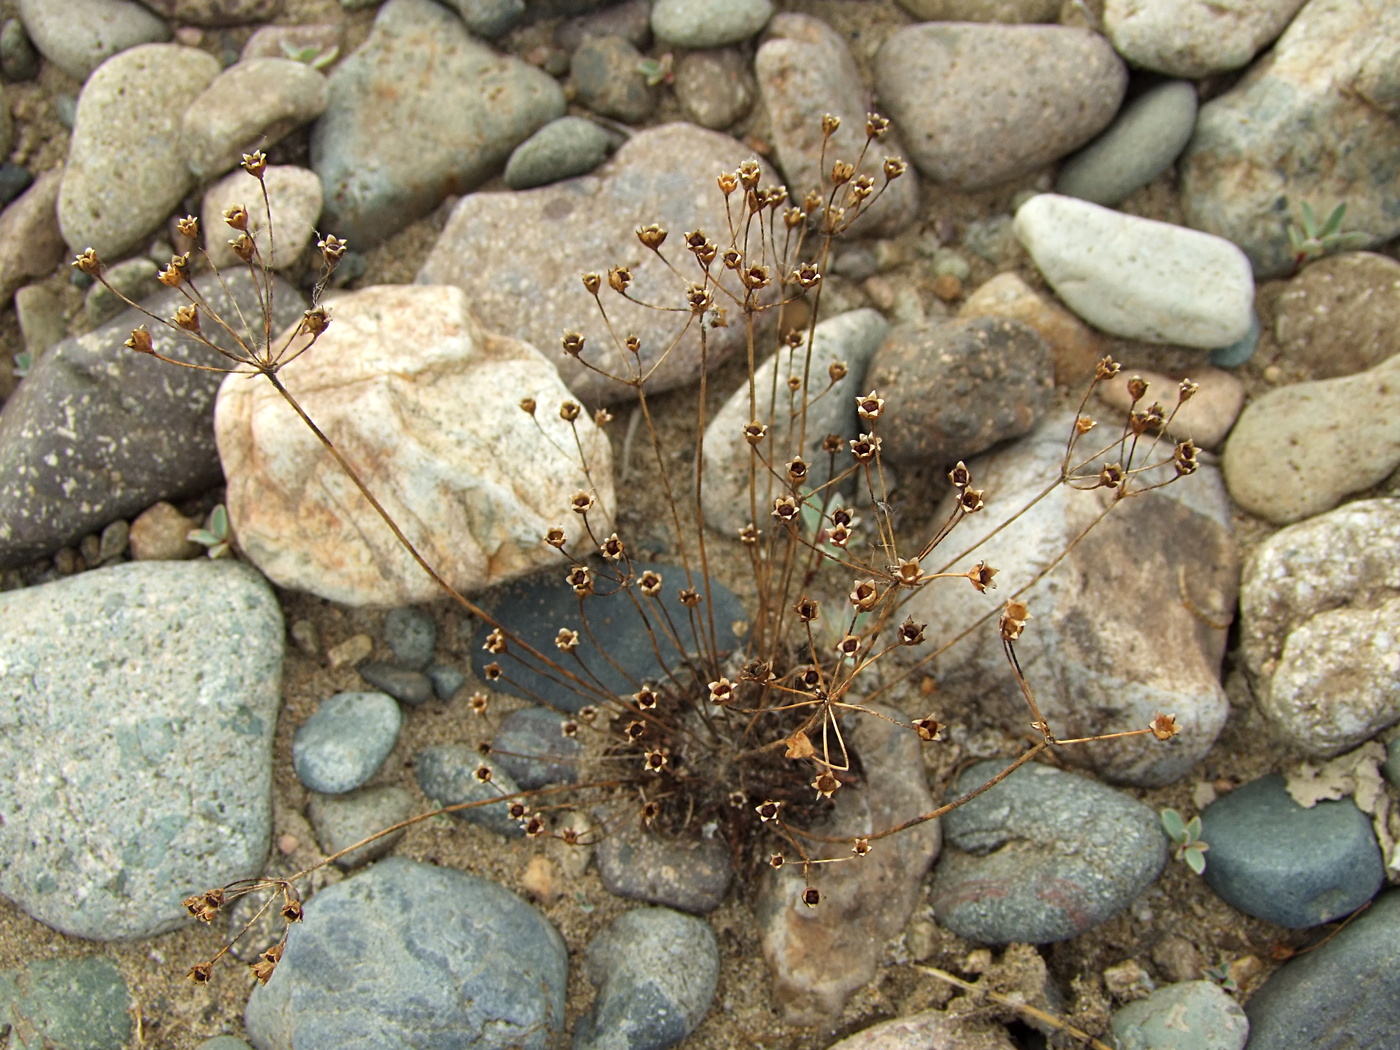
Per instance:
{"type": "Point", "coordinates": [1343, 995]}
{"type": "Point", "coordinates": [1238, 353]}
{"type": "Point", "coordinates": [655, 970]}
{"type": "Point", "coordinates": [65, 1004]}
{"type": "Point", "coordinates": [534, 751]}
{"type": "Point", "coordinates": [489, 19]}
{"type": "Point", "coordinates": [607, 79]}
{"type": "Point", "coordinates": [1194, 1015]}
{"type": "Point", "coordinates": [1042, 856]}
{"type": "Point", "coordinates": [1271, 858]}
{"type": "Point", "coordinates": [79, 35]}
{"type": "Point", "coordinates": [412, 687]}
{"type": "Point", "coordinates": [224, 1042]}
{"type": "Point", "coordinates": [697, 24]}
{"type": "Point", "coordinates": [412, 634]}
{"type": "Point", "coordinates": [561, 149]}
{"type": "Point", "coordinates": [1147, 135]}
{"type": "Point", "coordinates": [446, 680]}
{"type": "Point", "coordinates": [535, 609]}
{"type": "Point", "coordinates": [346, 741]}
{"type": "Point", "coordinates": [343, 820]}
{"type": "Point", "coordinates": [140, 702]}
{"type": "Point", "coordinates": [688, 873]}
{"type": "Point", "coordinates": [411, 955]}
{"type": "Point", "coordinates": [14, 180]}
{"type": "Point", "coordinates": [447, 775]}
{"type": "Point", "coordinates": [140, 430]}
{"type": "Point", "coordinates": [420, 111]}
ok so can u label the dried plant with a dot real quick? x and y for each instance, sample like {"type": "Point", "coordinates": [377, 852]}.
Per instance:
{"type": "Point", "coordinates": [745, 735]}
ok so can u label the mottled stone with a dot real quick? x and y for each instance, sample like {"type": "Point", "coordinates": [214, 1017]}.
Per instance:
{"type": "Point", "coordinates": [1075, 346]}
{"type": "Point", "coordinates": [1337, 317]}
{"type": "Point", "coordinates": [343, 820]}
{"type": "Point", "coordinates": [968, 123]}
{"type": "Point", "coordinates": [31, 244]}
{"type": "Point", "coordinates": [519, 257]}
{"type": "Point", "coordinates": [293, 199]}
{"type": "Point", "coordinates": [607, 80]}
{"type": "Point", "coordinates": [161, 533]}
{"type": "Point", "coordinates": [217, 12]}
{"type": "Point", "coordinates": [412, 634]}
{"type": "Point", "coordinates": [126, 162]}
{"type": "Point", "coordinates": [250, 105]}
{"type": "Point", "coordinates": [690, 874]}
{"type": "Point", "coordinates": [398, 378]}
{"type": "Point", "coordinates": [79, 35]}
{"type": "Point", "coordinates": [66, 1004]}
{"type": "Point", "coordinates": [1012, 11]}
{"type": "Point", "coordinates": [1196, 1015]}
{"type": "Point", "coordinates": [144, 739]}
{"type": "Point", "coordinates": [561, 149]}
{"type": "Point", "coordinates": [696, 24]}
{"type": "Point", "coordinates": [534, 750]}
{"type": "Point", "coordinates": [930, 1030]}
{"type": "Point", "coordinates": [447, 775]}
{"type": "Point", "coordinates": [345, 742]}
{"type": "Point", "coordinates": [715, 88]}
{"type": "Point", "coordinates": [1194, 38]}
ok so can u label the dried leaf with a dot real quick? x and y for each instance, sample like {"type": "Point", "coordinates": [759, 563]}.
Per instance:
{"type": "Point", "coordinates": [798, 746]}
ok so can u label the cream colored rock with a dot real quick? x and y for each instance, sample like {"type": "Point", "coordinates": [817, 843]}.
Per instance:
{"type": "Point", "coordinates": [424, 403]}
{"type": "Point", "coordinates": [249, 106]}
{"type": "Point", "coordinates": [1194, 38]}
{"type": "Point", "coordinates": [1075, 346]}
{"type": "Point", "coordinates": [1205, 418]}
{"type": "Point", "coordinates": [293, 198]}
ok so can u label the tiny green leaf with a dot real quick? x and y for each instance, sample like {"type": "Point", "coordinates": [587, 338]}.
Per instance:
{"type": "Point", "coordinates": [1195, 860]}
{"type": "Point", "coordinates": [203, 537]}
{"type": "Point", "coordinates": [1309, 219]}
{"type": "Point", "coordinates": [1193, 829]}
{"type": "Point", "coordinates": [1174, 826]}
{"type": "Point", "coordinates": [218, 522]}
{"type": "Point", "coordinates": [1334, 221]}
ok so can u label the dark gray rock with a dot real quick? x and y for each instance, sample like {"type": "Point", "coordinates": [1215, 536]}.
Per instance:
{"type": "Point", "coordinates": [1140, 144]}
{"type": "Point", "coordinates": [535, 610]}
{"type": "Point", "coordinates": [18, 59]}
{"type": "Point", "coordinates": [65, 1004]}
{"type": "Point", "coordinates": [967, 123]}
{"type": "Point", "coordinates": [412, 687]}
{"type": "Point", "coordinates": [1344, 995]}
{"type": "Point", "coordinates": [534, 751]}
{"type": "Point", "coordinates": [143, 699]}
{"type": "Point", "coordinates": [489, 19]}
{"type": "Point", "coordinates": [343, 820]}
{"type": "Point", "coordinates": [1195, 1015]}
{"type": "Point", "coordinates": [30, 242]}
{"type": "Point", "coordinates": [1043, 856]}
{"type": "Point", "coordinates": [420, 111]}
{"type": "Point", "coordinates": [346, 741]}
{"type": "Point", "coordinates": [715, 88]}
{"type": "Point", "coordinates": [630, 19]}
{"type": "Point", "coordinates": [956, 388]}
{"type": "Point", "coordinates": [412, 634]}
{"type": "Point", "coordinates": [446, 681]}
{"type": "Point", "coordinates": [447, 775]}
{"type": "Point", "coordinates": [407, 954]}
{"type": "Point", "coordinates": [690, 874]}
{"type": "Point", "coordinates": [14, 180]}
{"type": "Point", "coordinates": [1271, 858]}
{"type": "Point", "coordinates": [605, 76]}
{"type": "Point", "coordinates": [133, 278]}
{"type": "Point", "coordinates": [1390, 768]}
{"type": "Point", "coordinates": [135, 431]}
{"type": "Point", "coordinates": [655, 970]}
{"type": "Point", "coordinates": [561, 149]}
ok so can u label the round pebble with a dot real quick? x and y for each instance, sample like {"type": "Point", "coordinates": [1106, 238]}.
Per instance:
{"type": "Point", "coordinates": [561, 149]}
{"type": "Point", "coordinates": [161, 533]}
{"type": "Point", "coordinates": [18, 59]}
{"type": "Point", "coordinates": [82, 1004]}
{"type": "Point", "coordinates": [343, 820]}
{"type": "Point", "coordinates": [715, 88]}
{"type": "Point", "coordinates": [447, 775]}
{"type": "Point", "coordinates": [1196, 1015]}
{"type": "Point", "coordinates": [698, 24]}
{"type": "Point", "coordinates": [412, 687]}
{"type": "Point", "coordinates": [539, 753]}
{"type": "Point", "coordinates": [446, 681]}
{"type": "Point", "coordinates": [412, 635]}
{"type": "Point", "coordinates": [1147, 135]}
{"type": "Point", "coordinates": [691, 875]}
{"type": "Point", "coordinates": [79, 35]}
{"type": "Point", "coordinates": [346, 741]}
{"type": "Point", "coordinates": [1238, 353]}
{"type": "Point", "coordinates": [607, 79]}
{"type": "Point", "coordinates": [14, 180]}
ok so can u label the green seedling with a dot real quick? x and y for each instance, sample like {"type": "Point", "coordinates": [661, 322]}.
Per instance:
{"type": "Point", "coordinates": [1313, 240]}
{"type": "Point", "coordinates": [657, 70]}
{"type": "Point", "coordinates": [216, 536]}
{"type": "Point", "coordinates": [1186, 835]}
{"type": "Point", "coordinates": [311, 55]}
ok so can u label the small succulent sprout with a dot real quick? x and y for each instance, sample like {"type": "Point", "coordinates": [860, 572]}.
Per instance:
{"type": "Point", "coordinates": [893, 168]}
{"type": "Point", "coordinates": [870, 407]}
{"type": "Point", "coordinates": [479, 702]}
{"type": "Point", "coordinates": [495, 643]}
{"type": "Point", "coordinates": [236, 216]}
{"type": "Point", "coordinates": [1186, 838]}
{"type": "Point", "coordinates": [566, 640]}
{"type": "Point", "coordinates": [1013, 620]}
{"type": "Point", "coordinates": [592, 283]}
{"type": "Point", "coordinates": [140, 341]}
{"type": "Point", "coordinates": [580, 578]}
{"type": "Point", "coordinates": [555, 536]}
{"type": "Point", "coordinates": [865, 595]}
{"type": "Point", "coordinates": [652, 236]}
{"type": "Point", "coordinates": [1184, 457]}
{"type": "Point", "coordinates": [581, 502]}
{"type": "Point", "coordinates": [569, 411]}
{"type": "Point", "coordinates": [1313, 239]}
{"type": "Point", "coordinates": [981, 576]}
{"type": "Point", "coordinates": [312, 55]}
{"type": "Point", "coordinates": [865, 447]}
{"type": "Point", "coordinates": [650, 583]}
{"type": "Point", "coordinates": [572, 342]}
{"type": "Point", "coordinates": [721, 691]}
{"type": "Point", "coordinates": [930, 729]}
{"type": "Point", "coordinates": [216, 536]}
{"type": "Point", "coordinates": [1164, 726]}
{"type": "Point", "coordinates": [910, 632]}
{"type": "Point", "coordinates": [768, 810]}
{"type": "Point", "coordinates": [1107, 368]}
{"type": "Point", "coordinates": [807, 609]}
{"type": "Point", "coordinates": [826, 784]}
{"type": "Point", "coordinates": [255, 164]}
{"type": "Point", "coordinates": [645, 697]}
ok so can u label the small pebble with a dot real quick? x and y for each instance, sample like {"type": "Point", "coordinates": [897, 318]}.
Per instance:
{"type": "Point", "coordinates": [343, 820]}
{"type": "Point", "coordinates": [530, 745]}
{"type": "Point", "coordinates": [346, 741]}
{"type": "Point", "coordinates": [161, 533]}
{"type": "Point", "coordinates": [1238, 353]}
{"type": "Point", "coordinates": [412, 635]}
{"type": "Point", "coordinates": [692, 875]}
{"type": "Point", "coordinates": [447, 774]}
{"type": "Point", "coordinates": [715, 88]}
{"type": "Point", "coordinates": [14, 180]}
{"type": "Point", "coordinates": [1196, 1015]}
{"type": "Point", "coordinates": [352, 651]}
{"type": "Point", "coordinates": [306, 637]}
{"type": "Point", "coordinates": [541, 880]}
{"type": "Point", "coordinates": [115, 538]}
{"type": "Point", "coordinates": [561, 149]}
{"type": "Point", "coordinates": [39, 311]}
{"type": "Point", "coordinates": [134, 278]}
{"type": "Point", "coordinates": [1141, 143]}
{"type": "Point", "coordinates": [698, 24]}
{"type": "Point", "coordinates": [412, 687]}
{"type": "Point", "coordinates": [606, 76]}
{"type": "Point", "coordinates": [288, 844]}
{"type": "Point", "coordinates": [446, 680]}
{"type": "Point", "coordinates": [18, 59]}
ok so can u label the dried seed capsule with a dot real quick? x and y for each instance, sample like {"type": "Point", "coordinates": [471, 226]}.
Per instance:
{"type": "Point", "coordinates": [566, 640]}
{"type": "Point", "coordinates": [187, 317]}
{"type": "Point", "coordinates": [619, 277]}
{"type": "Point", "coordinates": [652, 236]}
{"type": "Point", "coordinates": [613, 548]}
{"type": "Point", "coordinates": [838, 536]}
{"type": "Point", "coordinates": [893, 168]}
{"type": "Point", "coordinates": [825, 784]}
{"type": "Point", "coordinates": [315, 321]}
{"type": "Point", "coordinates": [811, 897]}
{"type": "Point", "coordinates": [1137, 388]}
{"type": "Point", "coordinates": [794, 217]}
{"type": "Point", "coordinates": [837, 371]}
{"type": "Point", "coordinates": [635, 730]}
{"type": "Point", "coordinates": [807, 609]}
{"type": "Point", "coordinates": [841, 172]}
{"type": "Point", "coordinates": [646, 698]}
{"type": "Point", "coordinates": [830, 122]}
{"type": "Point", "coordinates": [1164, 727]}
{"type": "Point", "coordinates": [580, 578]}
{"type": "Point", "coordinates": [698, 298]}
{"type": "Point", "coordinates": [527, 405]}
{"type": "Point", "coordinates": [1111, 476]}
{"type": "Point", "coordinates": [865, 448]}
{"type": "Point", "coordinates": [864, 596]}
{"type": "Point", "coordinates": [633, 344]}
{"type": "Point", "coordinates": [785, 509]}
{"type": "Point", "coordinates": [479, 703]}
{"type": "Point", "coordinates": [876, 125]}
{"type": "Point", "coordinates": [592, 283]}
{"type": "Point", "coordinates": [255, 164]}
{"type": "Point", "coordinates": [572, 343]}
{"type": "Point", "coordinates": [655, 761]}
{"type": "Point", "coordinates": [555, 536]}
{"type": "Point", "coordinates": [768, 810]}
{"type": "Point", "coordinates": [870, 407]}
{"type": "Point", "coordinates": [1185, 391]}
{"type": "Point", "coordinates": [929, 729]}
{"type": "Point", "coordinates": [750, 173]}
{"type": "Point", "coordinates": [756, 278]}
{"type": "Point", "coordinates": [807, 275]}
{"type": "Point", "coordinates": [140, 341]}
{"type": "Point", "coordinates": [910, 632]}
{"type": "Point", "coordinates": [861, 848]}
{"type": "Point", "coordinates": [237, 217]}
{"type": "Point", "coordinates": [87, 262]}
{"type": "Point", "coordinates": [650, 583]}
{"type": "Point", "coordinates": [970, 501]}
{"type": "Point", "coordinates": [1184, 457]}
{"type": "Point", "coordinates": [188, 227]}
{"type": "Point", "coordinates": [1107, 368]}
{"type": "Point", "coordinates": [848, 647]}
{"type": "Point", "coordinates": [569, 411]}
{"type": "Point", "coordinates": [981, 576]}
{"type": "Point", "coordinates": [749, 535]}
{"type": "Point", "coordinates": [728, 182]}
{"type": "Point", "coordinates": [495, 642]}
{"type": "Point", "coordinates": [1013, 620]}
{"type": "Point", "coordinates": [797, 470]}
{"type": "Point", "coordinates": [582, 502]}
{"type": "Point", "coordinates": [721, 691]}
{"type": "Point", "coordinates": [689, 597]}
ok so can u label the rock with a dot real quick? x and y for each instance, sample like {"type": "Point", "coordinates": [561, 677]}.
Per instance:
{"type": "Point", "coordinates": [420, 111]}
{"type": "Point", "coordinates": [715, 88]}
{"type": "Point", "coordinates": [1271, 858]}
{"type": "Point", "coordinates": [141, 427]}
{"type": "Point", "coordinates": [1012, 11]}
{"type": "Point", "coordinates": [630, 19]}
{"type": "Point", "coordinates": [1205, 418]}
{"type": "Point", "coordinates": [533, 750]}
{"type": "Point", "coordinates": [446, 681]}
{"type": "Point", "coordinates": [1075, 347]}
{"type": "Point", "coordinates": [561, 149]}
{"type": "Point", "coordinates": [250, 105]}
{"type": "Point", "coordinates": [14, 179]}
{"type": "Point", "coordinates": [39, 312]}
{"type": "Point", "coordinates": [447, 775]}
{"type": "Point", "coordinates": [411, 687]}
{"type": "Point", "coordinates": [1141, 143]}
{"type": "Point", "coordinates": [850, 338]}
{"type": "Point", "coordinates": [135, 279]}
{"type": "Point", "coordinates": [655, 971]}
{"type": "Point", "coordinates": [1337, 317]}
{"type": "Point", "coordinates": [689, 874]}
{"type": "Point", "coordinates": [1315, 122]}
{"type": "Point", "coordinates": [293, 198]}
{"type": "Point", "coordinates": [968, 124]}
{"type": "Point", "coordinates": [217, 12]}
{"type": "Point", "coordinates": [79, 35]}
{"type": "Point", "coordinates": [126, 163]}
{"type": "Point", "coordinates": [1139, 278]}
{"type": "Point", "coordinates": [18, 59]}
{"type": "Point", "coordinates": [149, 743]}
{"type": "Point", "coordinates": [1344, 993]}
{"type": "Point", "coordinates": [930, 1030]}
{"type": "Point", "coordinates": [67, 1004]}
{"type": "Point", "coordinates": [1317, 627]}
{"type": "Point", "coordinates": [277, 41]}
{"type": "Point", "coordinates": [606, 78]}
{"type": "Point", "coordinates": [224, 1042]}
{"type": "Point", "coordinates": [1196, 1015]}
{"type": "Point", "coordinates": [1178, 958]}
{"type": "Point", "coordinates": [350, 652]}
{"type": "Point", "coordinates": [1240, 351]}
{"type": "Point", "coordinates": [956, 388]}
{"type": "Point", "coordinates": [343, 820]}
{"type": "Point", "coordinates": [820, 956]}
{"type": "Point", "coordinates": [414, 355]}
{"type": "Point", "coordinates": [346, 741]}
{"type": "Point", "coordinates": [697, 24]}
{"type": "Point", "coordinates": [1298, 450]}
{"type": "Point", "coordinates": [1042, 856]}
{"type": "Point", "coordinates": [412, 634]}
{"type": "Point", "coordinates": [519, 257]}
{"type": "Point", "coordinates": [805, 70]}
{"type": "Point", "coordinates": [489, 19]}
{"type": "Point", "coordinates": [30, 242]}
{"type": "Point", "coordinates": [161, 533]}
{"type": "Point", "coordinates": [452, 953]}
{"type": "Point", "coordinates": [1390, 768]}
{"type": "Point", "coordinates": [1194, 38]}
{"type": "Point", "coordinates": [1099, 658]}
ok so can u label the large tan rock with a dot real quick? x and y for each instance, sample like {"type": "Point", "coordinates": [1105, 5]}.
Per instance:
{"type": "Point", "coordinates": [424, 402]}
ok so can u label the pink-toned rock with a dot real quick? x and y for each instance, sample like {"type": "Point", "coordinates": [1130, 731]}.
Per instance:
{"type": "Point", "coordinates": [30, 242]}
{"type": "Point", "coordinates": [424, 402]}
{"type": "Point", "coordinates": [161, 533]}
{"type": "Point", "coordinates": [930, 1030]}
{"type": "Point", "coordinates": [1075, 346]}
{"type": "Point", "coordinates": [1206, 418]}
